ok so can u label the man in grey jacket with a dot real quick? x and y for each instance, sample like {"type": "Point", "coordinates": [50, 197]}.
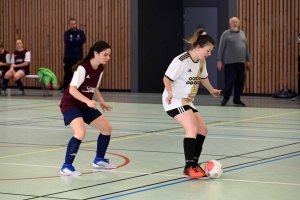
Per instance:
{"type": "Point", "coordinates": [234, 53]}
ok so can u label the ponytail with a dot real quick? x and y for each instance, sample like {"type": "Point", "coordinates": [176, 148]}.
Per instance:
{"type": "Point", "coordinates": [85, 59]}
{"type": "Point", "coordinates": [97, 47]}
{"type": "Point", "coordinates": [200, 38]}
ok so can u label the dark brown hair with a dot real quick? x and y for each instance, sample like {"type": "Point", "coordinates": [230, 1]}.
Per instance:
{"type": "Point", "coordinates": [98, 47]}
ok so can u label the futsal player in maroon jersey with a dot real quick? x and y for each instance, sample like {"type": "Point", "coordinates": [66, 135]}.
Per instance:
{"type": "Point", "coordinates": [78, 107]}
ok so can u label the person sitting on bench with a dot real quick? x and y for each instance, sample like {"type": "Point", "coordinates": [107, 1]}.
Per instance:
{"type": "Point", "coordinates": [4, 60]}
{"type": "Point", "coordinates": [20, 61]}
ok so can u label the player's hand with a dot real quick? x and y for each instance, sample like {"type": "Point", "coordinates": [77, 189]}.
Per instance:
{"type": "Point", "coordinates": [215, 92]}
{"type": "Point", "coordinates": [104, 107]}
{"type": "Point", "coordinates": [169, 98]}
{"type": "Point", "coordinates": [220, 65]}
{"type": "Point", "coordinates": [91, 104]}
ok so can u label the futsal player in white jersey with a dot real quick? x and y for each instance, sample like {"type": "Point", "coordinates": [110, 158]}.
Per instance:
{"type": "Point", "coordinates": [181, 81]}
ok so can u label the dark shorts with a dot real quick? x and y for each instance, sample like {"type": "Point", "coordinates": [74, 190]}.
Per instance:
{"type": "Point", "coordinates": [182, 109]}
{"type": "Point", "coordinates": [26, 72]}
{"type": "Point", "coordinates": [88, 115]}
{"type": "Point", "coordinates": [3, 72]}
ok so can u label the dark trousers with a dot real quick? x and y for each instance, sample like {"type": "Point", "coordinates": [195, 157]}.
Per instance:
{"type": "Point", "coordinates": [234, 78]}
{"type": "Point", "coordinates": [68, 64]}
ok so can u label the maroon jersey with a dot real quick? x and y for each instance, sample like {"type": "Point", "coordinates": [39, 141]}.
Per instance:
{"type": "Point", "coordinates": [3, 60]}
{"type": "Point", "coordinates": [87, 80]}
{"type": "Point", "coordinates": [19, 57]}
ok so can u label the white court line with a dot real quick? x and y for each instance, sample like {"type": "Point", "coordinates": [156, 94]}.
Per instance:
{"type": "Point", "coordinates": [241, 129]}
{"type": "Point", "coordinates": [93, 169]}
{"type": "Point", "coordinates": [262, 182]}
{"type": "Point", "coordinates": [232, 138]}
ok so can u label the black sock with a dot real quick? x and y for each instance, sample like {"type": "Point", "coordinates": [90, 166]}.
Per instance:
{"type": "Point", "coordinates": [198, 147]}
{"type": "Point", "coordinates": [72, 150]}
{"type": "Point", "coordinates": [4, 84]}
{"type": "Point", "coordinates": [20, 84]}
{"type": "Point", "coordinates": [189, 150]}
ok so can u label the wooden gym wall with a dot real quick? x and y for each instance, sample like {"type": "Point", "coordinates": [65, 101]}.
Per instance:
{"type": "Point", "coordinates": [41, 25]}
{"type": "Point", "coordinates": [272, 28]}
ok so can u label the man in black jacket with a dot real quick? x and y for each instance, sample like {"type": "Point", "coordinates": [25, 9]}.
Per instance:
{"type": "Point", "coordinates": [74, 39]}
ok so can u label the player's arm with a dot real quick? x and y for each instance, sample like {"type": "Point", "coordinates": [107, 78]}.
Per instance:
{"type": "Point", "coordinates": [77, 80]}
{"type": "Point", "coordinates": [206, 83]}
{"type": "Point", "coordinates": [173, 72]}
{"type": "Point", "coordinates": [24, 64]}
{"type": "Point", "coordinates": [210, 88]}
{"type": "Point", "coordinates": [168, 84]}
{"type": "Point", "coordinates": [99, 97]}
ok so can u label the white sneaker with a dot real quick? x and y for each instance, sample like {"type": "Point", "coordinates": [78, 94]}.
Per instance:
{"type": "Point", "coordinates": [103, 163]}
{"type": "Point", "coordinates": [69, 170]}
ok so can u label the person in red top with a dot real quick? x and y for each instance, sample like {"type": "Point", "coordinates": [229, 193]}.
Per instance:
{"type": "Point", "coordinates": [78, 107]}
{"type": "Point", "coordinates": [20, 61]}
{"type": "Point", "coordinates": [4, 60]}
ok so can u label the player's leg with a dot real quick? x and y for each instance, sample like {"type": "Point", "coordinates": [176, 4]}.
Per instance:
{"type": "Point", "coordinates": [9, 74]}
{"type": "Point", "coordinates": [74, 118]}
{"type": "Point", "coordinates": [187, 120]}
{"type": "Point", "coordinates": [17, 78]}
{"type": "Point", "coordinates": [202, 132]}
{"type": "Point", "coordinates": [94, 118]}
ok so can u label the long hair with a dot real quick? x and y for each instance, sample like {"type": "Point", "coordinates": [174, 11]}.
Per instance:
{"type": "Point", "coordinates": [1, 43]}
{"type": "Point", "coordinates": [200, 38]}
{"type": "Point", "coordinates": [97, 47]}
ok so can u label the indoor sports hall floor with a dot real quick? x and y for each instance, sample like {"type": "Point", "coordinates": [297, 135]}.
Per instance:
{"type": "Point", "coordinates": [258, 145]}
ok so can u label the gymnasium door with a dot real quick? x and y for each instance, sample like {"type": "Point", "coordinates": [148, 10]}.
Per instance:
{"type": "Point", "coordinates": [207, 18]}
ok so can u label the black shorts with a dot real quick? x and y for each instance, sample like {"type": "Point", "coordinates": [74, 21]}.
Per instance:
{"type": "Point", "coordinates": [26, 72]}
{"type": "Point", "coordinates": [3, 72]}
{"type": "Point", "coordinates": [88, 115]}
{"type": "Point", "coordinates": [182, 109]}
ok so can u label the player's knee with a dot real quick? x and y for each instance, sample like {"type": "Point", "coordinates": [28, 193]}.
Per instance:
{"type": "Point", "coordinates": [203, 130]}
{"type": "Point", "coordinates": [108, 129]}
{"type": "Point", "coordinates": [80, 133]}
{"type": "Point", "coordinates": [16, 78]}
{"type": "Point", "coordinates": [191, 131]}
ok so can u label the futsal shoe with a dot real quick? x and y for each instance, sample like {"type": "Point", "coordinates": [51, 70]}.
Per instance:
{"type": "Point", "coordinates": [191, 172]}
{"type": "Point", "coordinates": [103, 163]}
{"type": "Point", "coordinates": [238, 102]}
{"type": "Point", "coordinates": [3, 93]}
{"type": "Point", "coordinates": [200, 170]}
{"type": "Point", "coordinates": [69, 170]}
{"type": "Point", "coordinates": [21, 93]}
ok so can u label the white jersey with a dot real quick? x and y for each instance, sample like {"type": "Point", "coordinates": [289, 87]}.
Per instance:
{"type": "Point", "coordinates": [185, 75]}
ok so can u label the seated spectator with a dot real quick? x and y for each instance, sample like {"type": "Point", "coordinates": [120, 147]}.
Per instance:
{"type": "Point", "coordinates": [20, 61]}
{"type": "Point", "coordinates": [4, 60]}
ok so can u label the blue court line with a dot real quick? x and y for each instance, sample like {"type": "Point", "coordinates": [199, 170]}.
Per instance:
{"type": "Point", "coordinates": [178, 182]}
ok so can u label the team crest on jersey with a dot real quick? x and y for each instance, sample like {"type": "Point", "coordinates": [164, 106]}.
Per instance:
{"type": "Point", "coordinates": [78, 36]}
